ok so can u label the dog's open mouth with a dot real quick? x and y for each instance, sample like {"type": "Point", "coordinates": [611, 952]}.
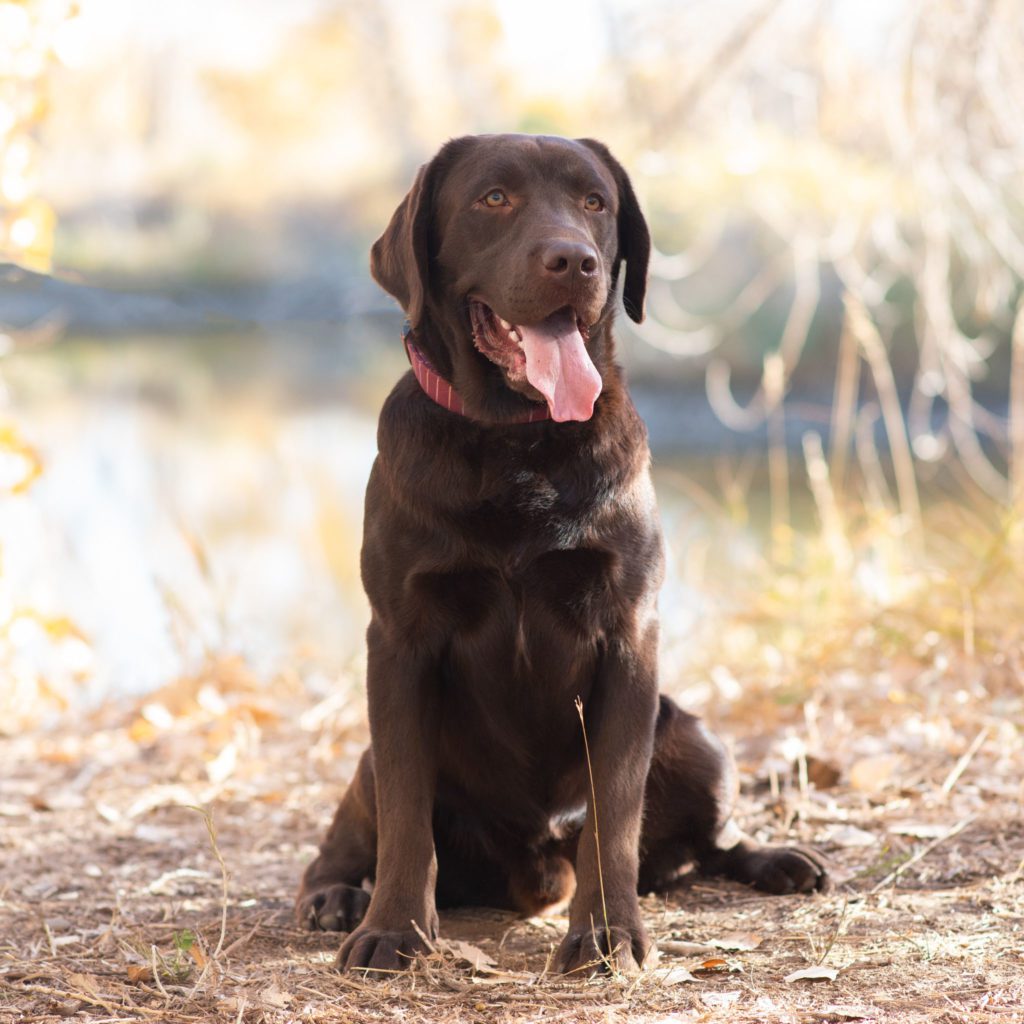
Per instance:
{"type": "Point", "coordinates": [551, 355]}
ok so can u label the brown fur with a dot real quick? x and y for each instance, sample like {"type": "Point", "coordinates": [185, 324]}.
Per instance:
{"type": "Point", "coordinates": [512, 568]}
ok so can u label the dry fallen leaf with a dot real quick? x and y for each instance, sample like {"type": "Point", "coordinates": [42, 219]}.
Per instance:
{"type": "Point", "coordinates": [675, 976]}
{"type": "Point", "coordinates": [142, 730]}
{"type": "Point", "coordinates": [84, 983]}
{"type": "Point", "coordinates": [737, 942]}
{"type": "Point", "coordinates": [716, 963]}
{"type": "Point", "coordinates": [261, 714]}
{"type": "Point", "coordinates": [677, 948]}
{"type": "Point", "coordinates": [275, 996]}
{"type": "Point", "coordinates": [108, 813]}
{"type": "Point", "coordinates": [173, 883]}
{"type": "Point", "coordinates": [849, 836]}
{"type": "Point", "coordinates": [468, 953]}
{"type": "Point", "coordinates": [919, 829]}
{"type": "Point", "coordinates": [273, 796]}
{"type": "Point", "coordinates": [818, 973]}
{"type": "Point", "coordinates": [222, 767]}
{"type": "Point", "coordinates": [873, 774]}
{"type": "Point", "coordinates": [822, 774]}
{"type": "Point", "coordinates": [720, 999]}
{"type": "Point", "coordinates": [57, 801]}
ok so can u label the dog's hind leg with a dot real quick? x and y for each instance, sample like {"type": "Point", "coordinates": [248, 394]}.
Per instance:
{"type": "Point", "coordinates": [688, 805]}
{"type": "Point", "coordinates": [331, 896]}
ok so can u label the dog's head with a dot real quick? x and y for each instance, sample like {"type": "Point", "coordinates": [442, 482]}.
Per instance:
{"type": "Point", "coordinates": [504, 255]}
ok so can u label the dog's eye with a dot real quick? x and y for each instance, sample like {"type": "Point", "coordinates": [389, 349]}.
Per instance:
{"type": "Point", "coordinates": [495, 198]}
{"type": "Point", "coordinates": [594, 203]}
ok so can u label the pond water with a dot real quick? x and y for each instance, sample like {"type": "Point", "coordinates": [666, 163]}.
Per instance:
{"type": "Point", "coordinates": [193, 500]}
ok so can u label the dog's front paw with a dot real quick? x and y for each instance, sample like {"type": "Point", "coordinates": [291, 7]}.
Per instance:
{"type": "Point", "coordinates": [775, 869]}
{"type": "Point", "coordinates": [334, 908]}
{"type": "Point", "coordinates": [375, 949]}
{"type": "Point", "coordinates": [600, 950]}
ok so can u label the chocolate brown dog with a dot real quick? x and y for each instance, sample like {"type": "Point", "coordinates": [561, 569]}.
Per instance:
{"type": "Point", "coordinates": [512, 557]}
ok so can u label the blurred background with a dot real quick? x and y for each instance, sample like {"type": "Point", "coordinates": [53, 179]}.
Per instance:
{"type": "Point", "coordinates": [192, 352]}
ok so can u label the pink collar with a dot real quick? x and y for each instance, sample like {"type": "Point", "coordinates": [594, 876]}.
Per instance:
{"type": "Point", "coordinates": [440, 391]}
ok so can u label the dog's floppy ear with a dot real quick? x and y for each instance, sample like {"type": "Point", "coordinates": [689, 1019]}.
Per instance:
{"type": "Point", "coordinates": [400, 258]}
{"type": "Point", "coordinates": [634, 238]}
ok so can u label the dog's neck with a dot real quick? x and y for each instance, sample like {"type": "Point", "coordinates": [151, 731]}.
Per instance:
{"type": "Point", "coordinates": [441, 391]}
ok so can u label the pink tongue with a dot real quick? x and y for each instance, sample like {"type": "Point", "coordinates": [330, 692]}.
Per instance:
{"type": "Point", "coordinates": [558, 366]}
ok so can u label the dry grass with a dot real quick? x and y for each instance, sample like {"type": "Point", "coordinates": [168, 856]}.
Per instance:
{"type": "Point", "coordinates": [901, 759]}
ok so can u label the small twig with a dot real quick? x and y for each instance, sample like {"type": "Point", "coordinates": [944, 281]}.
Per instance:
{"type": "Point", "coordinates": [832, 527]}
{"type": "Point", "coordinates": [1018, 874]}
{"type": "Point", "coordinates": [877, 497]}
{"type": "Point", "coordinates": [874, 351]}
{"type": "Point", "coordinates": [93, 1001]}
{"type": "Point", "coordinates": [969, 622]}
{"type": "Point", "coordinates": [921, 854]}
{"type": "Point", "coordinates": [835, 933]}
{"type": "Point", "coordinates": [844, 406]}
{"type": "Point", "coordinates": [597, 834]}
{"type": "Point", "coordinates": [423, 935]}
{"type": "Point", "coordinates": [242, 940]}
{"type": "Point", "coordinates": [156, 972]}
{"type": "Point", "coordinates": [548, 960]}
{"type": "Point", "coordinates": [1017, 418]}
{"type": "Point", "coordinates": [49, 937]}
{"type": "Point", "coordinates": [721, 59]}
{"type": "Point", "coordinates": [778, 459]}
{"type": "Point", "coordinates": [803, 778]}
{"type": "Point", "coordinates": [224, 875]}
{"type": "Point", "coordinates": [958, 769]}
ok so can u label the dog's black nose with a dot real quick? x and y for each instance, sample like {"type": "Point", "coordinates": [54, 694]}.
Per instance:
{"type": "Point", "coordinates": [566, 259]}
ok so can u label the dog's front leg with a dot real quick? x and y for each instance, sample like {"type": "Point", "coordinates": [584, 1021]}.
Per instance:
{"type": "Point", "coordinates": [404, 714]}
{"type": "Point", "coordinates": [605, 928]}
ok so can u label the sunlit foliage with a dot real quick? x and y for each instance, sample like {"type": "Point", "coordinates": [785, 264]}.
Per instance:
{"type": "Point", "coordinates": [29, 32]}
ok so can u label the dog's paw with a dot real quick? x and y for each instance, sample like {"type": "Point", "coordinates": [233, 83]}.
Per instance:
{"type": "Point", "coordinates": [603, 951]}
{"type": "Point", "coordinates": [334, 908]}
{"type": "Point", "coordinates": [786, 869]}
{"type": "Point", "coordinates": [775, 869]}
{"type": "Point", "coordinates": [372, 949]}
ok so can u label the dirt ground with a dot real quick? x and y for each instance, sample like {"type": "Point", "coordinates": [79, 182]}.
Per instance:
{"type": "Point", "coordinates": [116, 903]}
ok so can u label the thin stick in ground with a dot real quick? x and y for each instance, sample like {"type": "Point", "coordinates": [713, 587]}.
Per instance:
{"type": "Point", "coordinates": [597, 833]}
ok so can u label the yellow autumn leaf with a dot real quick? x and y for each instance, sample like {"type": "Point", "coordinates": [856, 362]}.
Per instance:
{"type": "Point", "coordinates": [142, 731]}
{"type": "Point", "coordinates": [25, 463]}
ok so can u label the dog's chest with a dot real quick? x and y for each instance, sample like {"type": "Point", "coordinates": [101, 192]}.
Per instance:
{"type": "Point", "coordinates": [553, 548]}
{"type": "Point", "coordinates": [523, 511]}
{"type": "Point", "coordinates": [520, 594]}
